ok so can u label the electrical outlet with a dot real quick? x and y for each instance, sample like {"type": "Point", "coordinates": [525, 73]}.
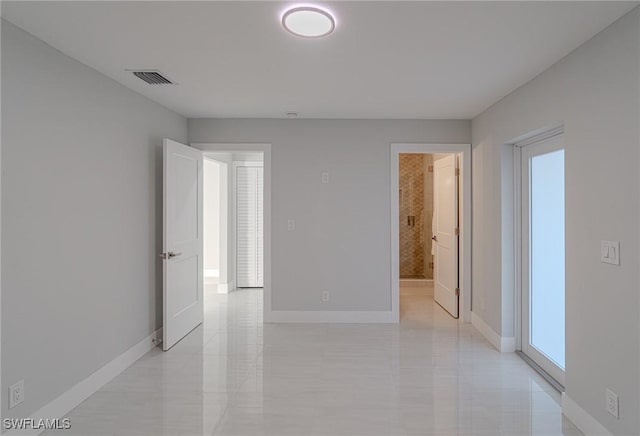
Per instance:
{"type": "Point", "coordinates": [291, 225]}
{"type": "Point", "coordinates": [16, 394]}
{"type": "Point", "coordinates": [325, 296]}
{"type": "Point", "coordinates": [611, 403]}
{"type": "Point", "coordinates": [325, 177]}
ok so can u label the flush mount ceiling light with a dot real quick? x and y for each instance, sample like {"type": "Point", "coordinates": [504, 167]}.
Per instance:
{"type": "Point", "coordinates": [308, 22]}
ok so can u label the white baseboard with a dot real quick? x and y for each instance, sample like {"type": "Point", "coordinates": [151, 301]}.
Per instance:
{"type": "Point", "coordinates": [69, 400]}
{"type": "Point", "coordinates": [336, 316]}
{"type": "Point", "coordinates": [225, 288]}
{"type": "Point", "coordinates": [586, 423]}
{"type": "Point", "coordinates": [502, 344]}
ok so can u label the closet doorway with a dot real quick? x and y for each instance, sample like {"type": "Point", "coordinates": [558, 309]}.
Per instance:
{"type": "Point", "coordinates": [249, 211]}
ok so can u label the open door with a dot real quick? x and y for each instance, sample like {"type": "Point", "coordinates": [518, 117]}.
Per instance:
{"type": "Point", "coordinates": [445, 201]}
{"type": "Point", "coordinates": [182, 247]}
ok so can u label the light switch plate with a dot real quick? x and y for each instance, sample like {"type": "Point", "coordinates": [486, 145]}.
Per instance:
{"type": "Point", "coordinates": [610, 252]}
{"type": "Point", "coordinates": [291, 225]}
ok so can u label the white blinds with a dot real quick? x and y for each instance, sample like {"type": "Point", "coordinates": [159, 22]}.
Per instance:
{"type": "Point", "coordinates": [249, 224]}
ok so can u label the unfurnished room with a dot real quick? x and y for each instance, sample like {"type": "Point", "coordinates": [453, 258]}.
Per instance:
{"type": "Point", "coordinates": [346, 218]}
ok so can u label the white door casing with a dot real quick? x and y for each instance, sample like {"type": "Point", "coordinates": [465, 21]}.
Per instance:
{"type": "Point", "coordinates": [182, 241]}
{"type": "Point", "coordinates": [445, 199]}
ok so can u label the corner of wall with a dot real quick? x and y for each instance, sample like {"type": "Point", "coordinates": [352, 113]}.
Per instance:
{"type": "Point", "coordinates": [500, 343]}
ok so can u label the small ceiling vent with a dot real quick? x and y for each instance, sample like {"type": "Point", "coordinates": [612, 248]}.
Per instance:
{"type": "Point", "coordinates": [153, 77]}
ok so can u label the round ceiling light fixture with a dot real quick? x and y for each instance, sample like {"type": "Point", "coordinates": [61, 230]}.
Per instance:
{"type": "Point", "coordinates": [308, 22]}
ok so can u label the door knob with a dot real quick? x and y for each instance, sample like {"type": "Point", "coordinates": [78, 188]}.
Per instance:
{"type": "Point", "coordinates": [435, 238]}
{"type": "Point", "coordinates": [169, 255]}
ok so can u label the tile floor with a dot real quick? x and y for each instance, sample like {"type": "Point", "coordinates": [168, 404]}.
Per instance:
{"type": "Point", "coordinates": [235, 376]}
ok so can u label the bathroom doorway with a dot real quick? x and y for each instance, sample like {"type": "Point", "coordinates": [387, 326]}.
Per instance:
{"type": "Point", "coordinates": [428, 218]}
{"type": "Point", "coordinates": [428, 197]}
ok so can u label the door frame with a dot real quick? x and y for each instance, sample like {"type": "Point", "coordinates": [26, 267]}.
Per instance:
{"type": "Point", "coordinates": [464, 254]}
{"type": "Point", "coordinates": [536, 137]}
{"type": "Point", "coordinates": [517, 144]}
{"type": "Point", "coordinates": [266, 150]}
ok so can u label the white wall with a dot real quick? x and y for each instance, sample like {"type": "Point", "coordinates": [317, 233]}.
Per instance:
{"type": "Point", "coordinates": [342, 237]}
{"type": "Point", "coordinates": [81, 218]}
{"type": "Point", "coordinates": [211, 227]}
{"type": "Point", "coordinates": [595, 92]}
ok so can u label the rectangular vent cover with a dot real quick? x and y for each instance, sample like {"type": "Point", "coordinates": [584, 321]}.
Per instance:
{"type": "Point", "coordinates": [153, 77]}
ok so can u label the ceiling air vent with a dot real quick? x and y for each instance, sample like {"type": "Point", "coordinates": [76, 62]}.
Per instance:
{"type": "Point", "coordinates": [153, 77]}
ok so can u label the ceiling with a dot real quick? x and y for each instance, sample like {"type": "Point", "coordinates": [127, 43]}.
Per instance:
{"type": "Point", "coordinates": [385, 60]}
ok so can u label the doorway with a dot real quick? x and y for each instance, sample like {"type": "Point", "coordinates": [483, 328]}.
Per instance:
{"type": "Point", "coordinates": [184, 270]}
{"type": "Point", "coordinates": [430, 225]}
{"type": "Point", "coordinates": [543, 255]}
{"type": "Point", "coordinates": [234, 220]}
{"type": "Point", "coordinates": [248, 218]}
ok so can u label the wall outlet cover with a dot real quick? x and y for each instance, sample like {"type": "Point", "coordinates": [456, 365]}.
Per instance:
{"type": "Point", "coordinates": [325, 296]}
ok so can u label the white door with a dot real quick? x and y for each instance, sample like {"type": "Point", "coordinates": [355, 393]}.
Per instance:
{"type": "Point", "coordinates": [249, 223]}
{"type": "Point", "coordinates": [543, 274]}
{"type": "Point", "coordinates": [445, 238]}
{"type": "Point", "coordinates": [182, 244]}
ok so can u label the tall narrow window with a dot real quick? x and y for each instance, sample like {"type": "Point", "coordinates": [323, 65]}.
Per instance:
{"type": "Point", "coordinates": [543, 256]}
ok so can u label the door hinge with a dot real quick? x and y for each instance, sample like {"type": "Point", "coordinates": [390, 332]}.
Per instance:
{"type": "Point", "coordinates": [457, 292]}
{"type": "Point", "coordinates": [457, 171]}
{"type": "Point", "coordinates": [457, 231]}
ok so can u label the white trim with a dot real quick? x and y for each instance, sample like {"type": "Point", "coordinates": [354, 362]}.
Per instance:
{"type": "Point", "coordinates": [335, 316]}
{"type": "Point", "coordinates": [465, 220]}
{"type": "Point", "coordinates": [586, 423]}
{"type": "Point", "coordinates": [266, 150]}
{"type": "Point", "coordinates": [69, 400]}
{"type": "Point", "coordinates": [502, 344]}
{"type": "Point", "coordinates": [517, 244]}
{"type": "Point", "coordinates": [225, 288]}
{"type": "Point", "coordinates": [518, 144]}
{"type": "Point", "coordinates": [538, 135]}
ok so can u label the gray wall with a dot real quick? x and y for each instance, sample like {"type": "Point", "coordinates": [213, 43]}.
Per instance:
{"type": "Point", "coordinates": [342, 237]}
{"type": "Point", "coordinates": [595, 91]}
{"type": "Point", "coordinates": [81, 218]}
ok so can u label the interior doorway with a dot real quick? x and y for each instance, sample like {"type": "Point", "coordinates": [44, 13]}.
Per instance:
{"type": "Point", "coordinates": [245, 244]}
{"type": "Point", "coordinates": [428, 217]}
{"type": "Point", "coordinates": [184, 245]}
{"type": "Point", "coordinates": [233, 220]}
{"type": "Point", "coordinates": [430, 224]}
